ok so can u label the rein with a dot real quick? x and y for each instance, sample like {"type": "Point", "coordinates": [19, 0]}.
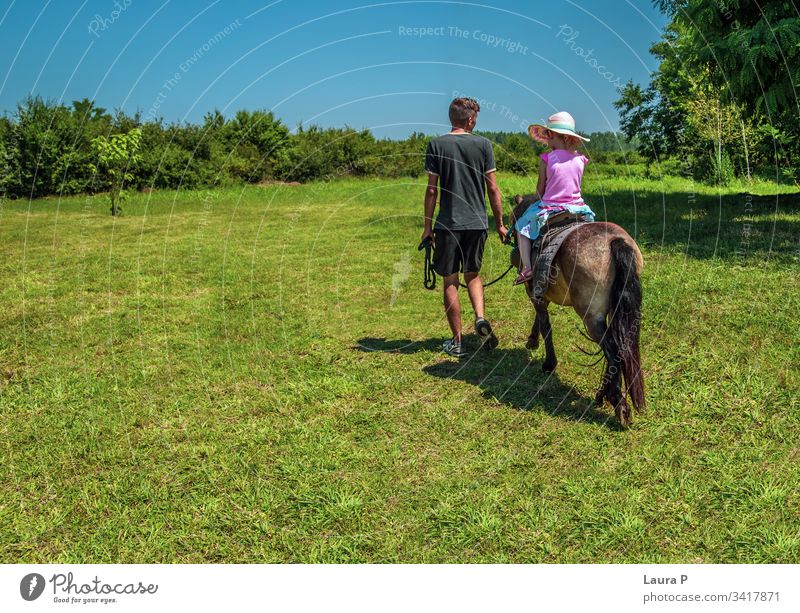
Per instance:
{"type": "Point", "coordinates": [429, 275]}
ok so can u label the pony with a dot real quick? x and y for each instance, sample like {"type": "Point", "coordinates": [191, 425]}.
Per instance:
{"type": "Point", "coordinates": [597, 272]}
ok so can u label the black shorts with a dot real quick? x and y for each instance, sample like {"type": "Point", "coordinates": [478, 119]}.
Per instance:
{"type": "Point", "coordinates": [458, 251]}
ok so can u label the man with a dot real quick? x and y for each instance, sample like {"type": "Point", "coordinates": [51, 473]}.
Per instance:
{"type": "Point", "coordinates": [462, 163]}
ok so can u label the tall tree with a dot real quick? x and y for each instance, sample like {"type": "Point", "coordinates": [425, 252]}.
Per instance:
{"type": "Point", "coordinates": [745, 54]}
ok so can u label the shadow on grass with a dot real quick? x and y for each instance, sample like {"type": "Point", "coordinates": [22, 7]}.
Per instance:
{"type": "Point", "coordinates": [506, 376]}
{"type": "Point", "coordinates": [369, 345]}
{"type": "Point", "coordinates": [509, 377]}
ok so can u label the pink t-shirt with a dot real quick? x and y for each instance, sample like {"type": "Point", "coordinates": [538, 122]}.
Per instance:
{"type": "Point", "coordinates": [564, 174]}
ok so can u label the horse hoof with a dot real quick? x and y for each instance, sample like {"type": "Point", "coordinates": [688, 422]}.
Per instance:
{"type": "Point", "coordinates": [623, 415]}
{"type": "Point", "coordinates": [600, 398]}
{"type": "Point", "coordinates": [533, 343]}
{"type": "Point", "coordinates": [548, 366]}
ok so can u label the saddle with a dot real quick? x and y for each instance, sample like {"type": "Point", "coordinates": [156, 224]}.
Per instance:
{"type": "Point", "coordinates": [545, 248]}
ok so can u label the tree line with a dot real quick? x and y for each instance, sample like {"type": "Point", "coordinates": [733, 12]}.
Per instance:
{"type": "Point", "coordinates": [50, 148]}
{"type": "Point", "coordinates": [724, 98]}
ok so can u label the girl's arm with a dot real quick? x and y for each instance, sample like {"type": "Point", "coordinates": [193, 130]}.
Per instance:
{"type": "Point", "coordinates": [542, 182]}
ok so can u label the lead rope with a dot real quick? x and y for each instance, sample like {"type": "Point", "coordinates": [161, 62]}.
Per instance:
{"type": "Point", "coordinates": [429, 275]}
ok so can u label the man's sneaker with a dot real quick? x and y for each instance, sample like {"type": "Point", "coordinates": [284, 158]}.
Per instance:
{"type": "Point", "coordinates": [450, 347]}
{"type": "Point", "coordinates": [484, 330]}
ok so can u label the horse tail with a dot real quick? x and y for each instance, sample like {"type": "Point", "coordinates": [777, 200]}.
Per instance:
{"type": "Point", "coordinates": [625, 318]}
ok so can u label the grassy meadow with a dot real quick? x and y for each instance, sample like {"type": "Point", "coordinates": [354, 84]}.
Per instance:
{"type": "Point", "coordinates": [254, 375]}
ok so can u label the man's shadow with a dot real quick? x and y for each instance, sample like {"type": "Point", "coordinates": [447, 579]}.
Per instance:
{"type": "Point", "coordinates": [506, 376]}
{"type": "Point", "coordinates": [369, 345]}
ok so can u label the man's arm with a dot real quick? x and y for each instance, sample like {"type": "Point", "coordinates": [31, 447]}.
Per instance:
{"type": "Point", "coordinates": [431, 193]}
{"type": "Point", "coordinates": [496, 202]}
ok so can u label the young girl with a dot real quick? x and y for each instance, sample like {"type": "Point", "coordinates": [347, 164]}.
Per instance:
{"type": "Point", "coordinates": [559, 185]}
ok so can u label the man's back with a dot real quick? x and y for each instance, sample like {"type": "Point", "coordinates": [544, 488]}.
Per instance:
{"type": "Point", "coordinates": [461, 161]}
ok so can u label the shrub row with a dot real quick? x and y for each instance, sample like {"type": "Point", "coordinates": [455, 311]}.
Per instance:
{"type": "Point", "coordinates": [46, 148]}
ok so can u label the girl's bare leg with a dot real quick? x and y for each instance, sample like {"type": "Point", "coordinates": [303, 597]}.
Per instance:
{"type": "Point", "coordinates": [524, 250]}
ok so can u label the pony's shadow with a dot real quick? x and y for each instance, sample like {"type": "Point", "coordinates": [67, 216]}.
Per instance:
{"type": "Point", "coordinates": [506, 376]}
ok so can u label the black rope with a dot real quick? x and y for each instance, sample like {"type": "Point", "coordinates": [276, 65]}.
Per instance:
{"type": "Point", "coordinates": [429, 275]}
{"type": "Point", "coordinates": [510, 266]}
{"type": "Point", "coordinates": [589, 353]}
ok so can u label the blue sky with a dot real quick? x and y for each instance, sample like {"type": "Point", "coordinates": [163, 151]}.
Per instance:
{"type": "Point", "coordinates": [389, 66]}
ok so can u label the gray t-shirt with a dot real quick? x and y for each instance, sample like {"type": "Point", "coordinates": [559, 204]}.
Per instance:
{"type": "Point", "coordinates": [461, 162]}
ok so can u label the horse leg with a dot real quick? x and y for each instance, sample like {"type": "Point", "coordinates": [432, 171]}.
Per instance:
{"type": "Point", "coordinates": [598, 331]}
{"type": "Point", "coordinates": [546, 330]}
{"type": "Point", "coordinates": [610, 385]}
{"type": "Point", "coordinates": [533, 339]}
{"type": "Point", "coordinates": [616, 397]}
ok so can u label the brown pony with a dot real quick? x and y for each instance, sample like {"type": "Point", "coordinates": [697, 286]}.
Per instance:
{"type": "Point", "coordinates": [596, 271]}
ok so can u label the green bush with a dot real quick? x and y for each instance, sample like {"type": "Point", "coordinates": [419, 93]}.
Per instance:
{"type": "Point", "coordinates": [7, 161]}
{"type": "Point", "coordinates": [716, 168]}
{"type": "Point", "coordinates": [329, 153]}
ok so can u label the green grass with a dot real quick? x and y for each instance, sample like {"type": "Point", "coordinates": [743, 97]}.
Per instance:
{"type": "Point", "coordinates": [234, 376]}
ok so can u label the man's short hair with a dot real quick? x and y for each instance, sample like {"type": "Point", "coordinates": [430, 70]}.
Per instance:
{"type": "Point", "coordinates": [461, 109]}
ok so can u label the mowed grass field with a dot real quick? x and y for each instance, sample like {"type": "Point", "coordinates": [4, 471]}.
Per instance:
{"type": "Point", "coordinates": [254, 375]}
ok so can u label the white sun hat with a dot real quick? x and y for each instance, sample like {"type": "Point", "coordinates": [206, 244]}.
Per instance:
{"type": "Point", "coordinates": [562, 123]}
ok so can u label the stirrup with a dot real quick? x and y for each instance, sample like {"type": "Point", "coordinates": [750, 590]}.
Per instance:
{"type": "Point", "coordinates": [522, 277]}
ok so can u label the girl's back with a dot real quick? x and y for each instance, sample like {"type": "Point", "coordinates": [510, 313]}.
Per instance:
{"type": "Point", "coordinates": [564, 174]}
